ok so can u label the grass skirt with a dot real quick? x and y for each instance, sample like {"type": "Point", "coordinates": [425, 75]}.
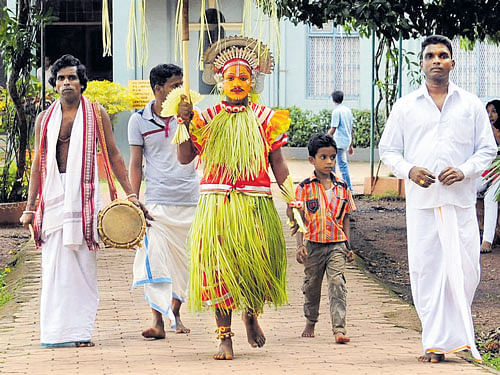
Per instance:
{"type": "Point", "coordinates": [237, 251]}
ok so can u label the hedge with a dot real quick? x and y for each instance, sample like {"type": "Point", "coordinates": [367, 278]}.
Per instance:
{"type": "Point", "coordinates": [305, 123]}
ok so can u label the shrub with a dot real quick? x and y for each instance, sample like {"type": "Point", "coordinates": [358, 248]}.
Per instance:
{"type": "Point", "coordinates": [305, 123]}
{"type": "Point", "coordinates": [112, 96]}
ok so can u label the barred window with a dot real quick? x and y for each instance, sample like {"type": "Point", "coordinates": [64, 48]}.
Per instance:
{"type": "Point", "coordinates": [477, 71]}
{"type": "Point", "coordinates": [77, 10]}
{"type": "Point", "coordinates": [333, 62]}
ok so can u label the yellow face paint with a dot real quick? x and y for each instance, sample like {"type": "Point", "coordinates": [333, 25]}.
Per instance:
{"type": "Point", "coordinates": [237, 82]}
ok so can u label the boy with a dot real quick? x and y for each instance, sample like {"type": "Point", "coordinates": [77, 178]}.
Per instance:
{"type": "Point", "coordinates": [328, 202]}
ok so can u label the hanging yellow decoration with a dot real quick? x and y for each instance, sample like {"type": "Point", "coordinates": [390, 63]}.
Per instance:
{"type": "Point", "coordinates": [106, 30]}
{"type": "Point", "coordinates": [140, 41]}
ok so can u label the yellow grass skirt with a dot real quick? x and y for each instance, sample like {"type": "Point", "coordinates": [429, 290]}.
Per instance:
{"type": "Point", "coordinates": [237, 247]}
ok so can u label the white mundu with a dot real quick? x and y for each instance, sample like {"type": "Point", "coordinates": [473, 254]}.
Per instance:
{"type": "Point", "coordinates": [443, 234]}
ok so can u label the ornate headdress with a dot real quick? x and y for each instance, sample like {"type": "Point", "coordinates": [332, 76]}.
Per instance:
{"type": "Point", "coordinates": [237, 50]}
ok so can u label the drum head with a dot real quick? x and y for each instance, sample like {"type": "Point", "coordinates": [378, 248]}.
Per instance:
{"type": "Point", "coordinates": [122, 224]}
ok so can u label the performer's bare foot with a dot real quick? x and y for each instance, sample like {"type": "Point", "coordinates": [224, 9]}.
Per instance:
{"type": "Point", "coordinates": [84, 344]}
{"type": "Point", "coordinates": [341, 338]}
{"type": "Point", "coordinates": [157, 331]}
{"type": "Point", "coordinates": [225, 350]}
{"type": "Point", "coordinates": [154, 333]}
{"type": "Point", "coordinates": [176, 307]}
{"type": "Point", "coordinates": [179, 327]}
{"type": "Point", "coordinates": [255, 334]}
{"type": "Point", "coordinates": [309, 330]}
{"type": "Point", "coordinates": [431, 357]}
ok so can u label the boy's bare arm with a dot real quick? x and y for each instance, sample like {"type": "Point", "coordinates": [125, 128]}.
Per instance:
{"type": "Point", "coordinates": [347, 232]}
{"type": "Point", "coordinates": [301, 253]}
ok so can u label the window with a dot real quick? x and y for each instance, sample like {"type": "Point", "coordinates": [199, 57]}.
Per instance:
{"type": "Point", "coordinates": [333, 62]}
{"type": "Point", "coordinates": [477, 71]}
{"type": "Point", "coordinates": [78, 31]}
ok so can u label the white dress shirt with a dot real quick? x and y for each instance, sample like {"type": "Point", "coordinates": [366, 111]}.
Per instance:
{"type": "Point", "coordinates": [418, 134]}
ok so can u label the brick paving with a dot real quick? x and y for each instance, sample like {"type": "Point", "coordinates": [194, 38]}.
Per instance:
{"type": "Point", "coordinates": [377, 346]}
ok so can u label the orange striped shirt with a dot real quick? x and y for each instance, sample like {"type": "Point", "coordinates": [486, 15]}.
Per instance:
{"type": "Point", "coordinates": [325, 218]}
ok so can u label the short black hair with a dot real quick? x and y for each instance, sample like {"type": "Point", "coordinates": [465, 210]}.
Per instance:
{"type": "Point", "coordinates": [495, 103]}
{"type": "Point", "coordinates": [338, 96]}
{"type": "Point", "coordinates": [436, 39]}
{"type": "Point", "coordinates": [161, 74]}
{"type": "Point", "coordinates": [320, 140]}
{"type": "Point", "coordinates": [63, 62]}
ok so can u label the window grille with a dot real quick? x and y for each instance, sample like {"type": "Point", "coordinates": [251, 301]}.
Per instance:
{"type": "Point", "coordinates": [477, 71]}
{"type": "Point", "coordinates": [333, 62]}
{"type": "Point", "coordinates": [77, 10]}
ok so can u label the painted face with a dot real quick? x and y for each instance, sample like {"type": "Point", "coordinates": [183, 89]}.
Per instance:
{"type": "Point", "coordinates": [324, 160]}
{"type": "Point", "coordinates": [436, 62]}
{"type": "Point", "coordinates": [492, 114]}
{"type": "Point", "coordinates": [67, 83]}
{"type": "Point", "coordinates": [237, 82]}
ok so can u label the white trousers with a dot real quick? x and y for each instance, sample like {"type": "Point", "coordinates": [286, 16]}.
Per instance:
{"type": "Point", "coordinates": [490, 208]}
{"type": "Point", "coordinates": [443, 257]}
{"type": "Point", "coordinates": [69, 298]}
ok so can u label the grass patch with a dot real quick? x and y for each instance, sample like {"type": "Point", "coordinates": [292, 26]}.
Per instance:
{"type": "Point", "coordinates": [390, 195]}
{"type": "Point", "coordinates": [490, 360]}
{"type": "Point", "coordinates": [5, 296]}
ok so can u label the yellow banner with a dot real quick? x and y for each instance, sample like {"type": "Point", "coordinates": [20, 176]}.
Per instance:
{"type": "Point", "coordinates": [142, 92]}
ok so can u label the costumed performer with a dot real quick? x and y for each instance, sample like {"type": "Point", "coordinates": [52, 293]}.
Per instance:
{"type": "Point", "coordinates": [238, 258]}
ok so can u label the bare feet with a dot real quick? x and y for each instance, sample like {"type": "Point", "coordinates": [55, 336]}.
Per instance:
{"type": "Point", "coordinates": [179, 327]}
{"type": "Point", "coordinates": [431, 357]}
{"type": "Point", "coordinates": [309, 330]}
{"type": "Point", "coordinates": [154, 333]}
{"type": "Point", "coordinates": [255, 335]}
{"type": "Point", "coordinates": [486, 247]}
{"type": "Point", "coordinates": [225, 350]}
{"type": "Point", "coordinates": [341, 338]}
{"type": "Point", "coordinates": [84, 344]}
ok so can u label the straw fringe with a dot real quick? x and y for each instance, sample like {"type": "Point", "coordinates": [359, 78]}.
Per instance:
{"type": "Point", "coordinates": [238, 239]}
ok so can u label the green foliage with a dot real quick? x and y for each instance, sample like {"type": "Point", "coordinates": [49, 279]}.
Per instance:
{"type": "Point", "coordinates": [306, 123]}
{"type": "Point", "coordinates": [491, 360]}
{"type": "Point", "coordinates": [5, 296]}
{"type": "Point", "coordinates": [474, 20]}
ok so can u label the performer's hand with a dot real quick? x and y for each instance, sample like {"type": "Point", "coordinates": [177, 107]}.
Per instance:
{"type": "Point", "coordinates": [349, 256]}
{"type": "Point", "coordinates": [289, 213]}
{"type": "Point", "coordinates": [143, 208]}
{"type": "Point", "coordinates": [301, 254]}
{"type": "Point", "coordinates": [26, 219]}
{"type": "Point", "coordinates": [449, 176]}
{"type": "Point", "coordinates": [422, 177]}
{"type": "Point", "coordinates": [185, 110]}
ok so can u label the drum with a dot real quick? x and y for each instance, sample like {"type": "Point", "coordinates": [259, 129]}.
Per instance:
{"type": "Point", "coordinates": [121, 224]}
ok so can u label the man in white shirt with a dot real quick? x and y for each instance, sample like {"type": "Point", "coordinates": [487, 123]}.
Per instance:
{"type": "Point", "coordinates": [438, 138]}
{"type": "Point", "coordinates": [172, 192]}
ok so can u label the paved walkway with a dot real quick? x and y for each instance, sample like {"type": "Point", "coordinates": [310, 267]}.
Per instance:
{"type": "Point", "coordinates": [377, 346]}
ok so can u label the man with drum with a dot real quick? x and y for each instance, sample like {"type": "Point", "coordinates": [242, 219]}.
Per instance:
{"type": "Point", "coordinates": [64, 180]}
{"type": "Point", "coordinates": [172, 192]}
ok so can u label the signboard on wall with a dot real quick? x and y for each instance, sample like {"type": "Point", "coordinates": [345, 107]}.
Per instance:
{"type": "Point", "coordinates": [141, 89]}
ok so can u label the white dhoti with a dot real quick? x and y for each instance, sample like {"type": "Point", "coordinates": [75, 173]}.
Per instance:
{"type": "Point", "coordinates": [69, 298]}
{"type": "Point", "coordinates": [161, 264]}
{"type": "Point", "coordinates": [443, 258]}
